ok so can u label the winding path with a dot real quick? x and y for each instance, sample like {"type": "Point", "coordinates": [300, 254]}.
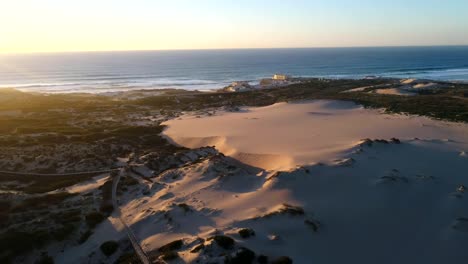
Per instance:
{"type": "Point", "coordinates": [138, 249]}
{"type": "Point", "coordinates": [57, 174]}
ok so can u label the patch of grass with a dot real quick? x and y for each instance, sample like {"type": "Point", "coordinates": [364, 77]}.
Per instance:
{"type": "Point", "coordinates": [14, 243]}
{"type": "Point", "coordinates": [41, 202]}
{"type": "Point", "coordinates": [42, 184]}
{"type": "Point", "coordinates": [106, 206]}
{"type": "Point", "coordinates": [70, 216]}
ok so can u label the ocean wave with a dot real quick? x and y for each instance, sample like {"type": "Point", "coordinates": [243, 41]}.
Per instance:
{"type": "Point", "coordinates": [110, 86]}
{"type": "Point", "coordinates": [127, 82]}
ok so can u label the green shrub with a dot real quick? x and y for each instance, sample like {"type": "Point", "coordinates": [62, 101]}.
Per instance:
{"type": "Point", "coordinates": [312, 224]}
{"type": "Point", "coordinates": [93, 219]}
{"type": "Point", "coordinates": [14, 243]}
{"type": "Point", "coordinates": [169, 255]}
{"type": "Point", "coordinates": [184, 207]}
{"type": "Point", "coordinates": [174, 245]}
{"type": "Point", "coordinates": [128, 258]}
{"type": "Point", "coordinates": [282, 260]}
{"type": "Point", "coordinates": [242, 256]}
{"type": "Point", "coordinates": [84, 236]}
{"type": "Point", "coordinates": [45, 259]}
{"type": "Point", "coordinates": [109, 247]}
{"type": "Point", "coordinates": [5, 206]}
{"type": "Point", "coordinates": [246, 232]}
{"type": "Point", "coordinates": [106, 208]}
{"type": "Point", "coordinates": [262, 259]}
{"type": "Point", "coordinates": [197, 248]}
{"type": "Point", "coordinates": [64, 232]}
{"type": "Point", "coordinates": [224, 241]}
{"type": "Point", "coordinates": [40, 202]}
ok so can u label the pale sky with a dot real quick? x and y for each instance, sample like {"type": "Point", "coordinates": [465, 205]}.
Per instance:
{"type": "Point", "coordinates": [95, 25]}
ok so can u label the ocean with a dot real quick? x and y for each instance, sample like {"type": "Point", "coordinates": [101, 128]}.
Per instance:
{"type": "Point", "coordinates": [98, 72]}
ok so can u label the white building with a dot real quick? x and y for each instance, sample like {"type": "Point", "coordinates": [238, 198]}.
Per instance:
{"type": "Point", "coordinates": [280, 77]}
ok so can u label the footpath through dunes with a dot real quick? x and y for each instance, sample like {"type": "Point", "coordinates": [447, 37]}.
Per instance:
{"type": "Point", "coordinates": [285, 135]}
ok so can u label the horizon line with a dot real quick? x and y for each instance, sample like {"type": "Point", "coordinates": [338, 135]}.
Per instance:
{"type": "Point", "coordinates": [227, 49]}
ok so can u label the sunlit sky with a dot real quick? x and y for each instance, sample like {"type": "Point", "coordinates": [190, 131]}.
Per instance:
{"type": "Point", "coordinates": [87, 25]}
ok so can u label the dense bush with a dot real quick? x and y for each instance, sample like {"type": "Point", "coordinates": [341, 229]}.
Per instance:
{"type": "Point", "coordinates": [41, 202]}
{"type": "Point", "coordinates": [64, 232]}
{"type": "Point", "coordinates": [45, 259]}
{"type": "Point", "coordinates": [94, 218]}
{"type": "Point", "coordinates": [174, 245]}
{"type": "Point", "coordinates": [242, 256]}
{"type": "Point", "coordinates": [14, 243]}
{"type": "Point", "coordinates": [84, 236]}
{"type": "Point", "coordinates": [262, 259]}
{"type": "Point", "coordinates": [224, 241]}
{"type": "Point", "coordinates": [169, 255]}
{"type": "Point", "coordinates": [246, 232]}
{"type": "Point", "coordinates": [282, 260]}
{"type": "Point", "coordinates": [106, 208]}
{"type": "Point", "coordinates": [128, 258]}
{"type": "Point", "coordinates": [5, 206]}
{"type": "Point", "coordinates": [109, 247]}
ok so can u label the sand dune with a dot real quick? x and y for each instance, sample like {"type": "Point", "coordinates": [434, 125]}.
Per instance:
{"type": "Point", "coordinates": [297, 134]}
{"type": "Point", "coordinates": [395, 91]}
{"type": "Point", "coordinates": [394, 203]}
{"type": "Point", "coordinates": [372, 201]}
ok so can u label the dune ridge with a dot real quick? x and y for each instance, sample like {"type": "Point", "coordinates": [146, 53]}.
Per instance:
{"type": "Point", "coordinates": [286, 135]}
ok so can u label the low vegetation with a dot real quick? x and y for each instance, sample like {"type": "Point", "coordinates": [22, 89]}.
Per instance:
{"type": "Point", "coordinates": [242, 256]}
{"type": "Point", "coordinates": [282, 260]}
{"type": "Point", "coordinates": [109, 247]}
{"type": "Point", "coordinates": [246, 232]}
{"type": "Point", "coordinates": [169, 255]}
{"type": "Point", "coordinates": [94, 218]}
{"type": "Point", "coordinates": [174, 245]}
{"type": "Point", "coordinates": [223, 241]}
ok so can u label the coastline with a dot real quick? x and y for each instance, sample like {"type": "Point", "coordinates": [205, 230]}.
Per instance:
{"type": "Point", "coordinates": [210, 69]}
{"type": "Point", "coordinates": [152, 89]}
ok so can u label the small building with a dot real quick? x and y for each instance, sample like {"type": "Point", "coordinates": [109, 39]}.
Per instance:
{"type": "Point", "coordinates": [239, 86]}
{"type": "Point", "coordinates": [281, 77]}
